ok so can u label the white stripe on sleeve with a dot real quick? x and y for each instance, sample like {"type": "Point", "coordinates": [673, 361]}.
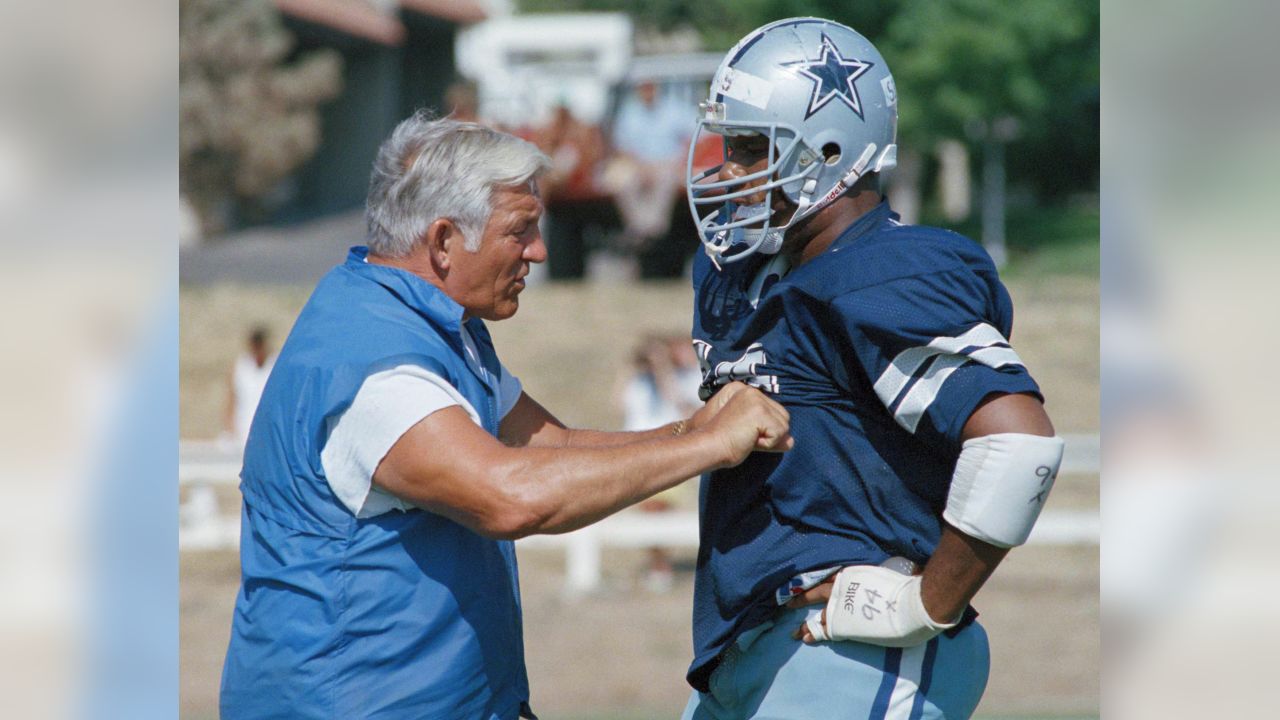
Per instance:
{"type": "Point", "coordinates": [925, 391]}
{"type": "Point", "coordinates": [898, 374]}
{"type": "Point", "coordinates": [994, 357]}
{"type": "Point", "coordinates": [982, 343]}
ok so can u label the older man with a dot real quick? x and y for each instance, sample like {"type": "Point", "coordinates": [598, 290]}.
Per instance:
{"type": "Point", "coordinates": [393, 457]}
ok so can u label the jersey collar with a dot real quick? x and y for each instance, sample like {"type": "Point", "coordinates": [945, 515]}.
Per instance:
{"type": "Point", "coordinates": [871, 220]}
{"type": "Point", "coordinates": [421, 296]}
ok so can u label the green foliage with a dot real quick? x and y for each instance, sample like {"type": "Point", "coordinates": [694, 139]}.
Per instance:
{"type": "Point", "coordinates": [248, 116]}
{"type": "Point", "coordinates": [969, 61]}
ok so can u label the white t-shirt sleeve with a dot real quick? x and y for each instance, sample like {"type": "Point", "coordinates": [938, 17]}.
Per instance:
{"type": "Point", "coordinates": [386, 406]}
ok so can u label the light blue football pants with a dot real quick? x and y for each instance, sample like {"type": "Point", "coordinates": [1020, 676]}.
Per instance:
{"type": "Point", "coordinates": [768, 675]}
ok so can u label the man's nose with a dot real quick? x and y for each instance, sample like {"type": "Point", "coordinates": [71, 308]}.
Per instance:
{"type": "Point", "coordinates": [733, 171]}
{"type": "Point", "coordinates": [536, 250]}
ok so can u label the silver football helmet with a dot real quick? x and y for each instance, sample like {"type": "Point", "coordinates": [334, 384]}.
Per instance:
{"type": "Point", "coordinates": [824, 97]}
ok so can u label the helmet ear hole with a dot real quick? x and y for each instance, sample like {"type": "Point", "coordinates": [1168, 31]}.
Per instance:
{"type": "Point", "coordinates": [831, 153]}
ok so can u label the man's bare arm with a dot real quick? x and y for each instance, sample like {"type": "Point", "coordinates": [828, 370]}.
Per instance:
{"type": "Point", "coordinates": [528, 424]}
{"type": "Point", "coordinates": [448, 465]}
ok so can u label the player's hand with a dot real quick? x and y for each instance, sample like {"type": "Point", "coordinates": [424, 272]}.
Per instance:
{"type": "Point", "coordinates": [747, 422]}
{"type": "Point", "coordinates": [870, 604]}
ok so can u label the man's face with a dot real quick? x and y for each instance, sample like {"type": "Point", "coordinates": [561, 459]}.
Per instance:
{"type": "Point", "coordinates": [647, 92]}
{"type": "Point", "coordinates": [745, 155]}
{"type": "Point", "coordinates": [488, 282]}
{"type": "Point", "coordinates": [258, 348]}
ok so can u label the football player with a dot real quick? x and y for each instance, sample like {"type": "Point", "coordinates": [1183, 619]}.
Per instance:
{"type": "Point", "coordinates": [835, 580]}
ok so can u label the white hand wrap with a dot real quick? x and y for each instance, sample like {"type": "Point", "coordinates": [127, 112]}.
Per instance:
{"type": "Point", "coordinates": [1000, 485]}
{"type": "Point", "coordinates": [876, 605]}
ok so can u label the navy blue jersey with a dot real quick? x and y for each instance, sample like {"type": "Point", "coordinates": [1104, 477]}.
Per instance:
{"type": "Point", "coordinates": [880, 348]}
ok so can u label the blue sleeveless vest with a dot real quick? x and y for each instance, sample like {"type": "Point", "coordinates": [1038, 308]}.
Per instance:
{"type": "Point", "coordinates": [403, 615]}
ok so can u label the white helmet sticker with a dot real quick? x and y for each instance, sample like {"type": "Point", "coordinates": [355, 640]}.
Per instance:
{"type": "Point", "coordinates": [890, 91]}
{"type": "Point", "coordinates": [745, 87]}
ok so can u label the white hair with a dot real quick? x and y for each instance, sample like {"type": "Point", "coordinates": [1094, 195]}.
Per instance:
{"type": "Point", "coordinates": [430, 169]}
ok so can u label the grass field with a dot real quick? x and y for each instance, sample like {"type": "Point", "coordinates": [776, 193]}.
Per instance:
{"type": "Point", "coordinates": [568, 345]}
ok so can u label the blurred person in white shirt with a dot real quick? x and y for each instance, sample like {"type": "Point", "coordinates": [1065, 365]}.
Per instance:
{"type": "Point", "coordinates": [662, 388]}
{"type": "Point", "coordinates": [248, 377]}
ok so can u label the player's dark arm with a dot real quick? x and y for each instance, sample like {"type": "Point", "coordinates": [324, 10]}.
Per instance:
{"type": "Point", "coordinates": [962, 563]}
{"type": "Point", "coordinates": [528, 424]}
{"type": "Point", "coordinates": [1005, 470]}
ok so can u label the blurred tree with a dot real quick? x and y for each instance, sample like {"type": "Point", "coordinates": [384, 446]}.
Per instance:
{"type": "Point", "coordinates": [248, 117]}
{"type": "Point", "coordinates": [960, 66]}
{"type": "Point", "coordinates": [973, 61]}
{"type": "Point", "coordinates": [1059, 148]}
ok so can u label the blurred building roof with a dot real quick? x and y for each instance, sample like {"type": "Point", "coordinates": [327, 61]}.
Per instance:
{"type": "Point", "coordinates": [376, 20]}
{"type": "Point", "coordinates": [459, 11]}
{"type": "Point", "coordinates": [674, 66]}
{"type": "Point", "coordinates": [354, 17]}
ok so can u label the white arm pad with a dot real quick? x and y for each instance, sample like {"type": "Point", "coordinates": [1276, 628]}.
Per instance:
{"type": "Point", "coordinates": [1000, 485]}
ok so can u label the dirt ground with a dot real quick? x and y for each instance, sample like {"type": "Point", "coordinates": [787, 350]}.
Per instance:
{"type": "Point", "coordinates": [1040, 611]}
{"type": "Point", "coordinates": [570, 345]}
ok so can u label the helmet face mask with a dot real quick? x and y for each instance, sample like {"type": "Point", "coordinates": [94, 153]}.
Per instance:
{"type": "Point", "coordinates": [731, 222]}
{"type": "Point", "coordinates": [825, 100]}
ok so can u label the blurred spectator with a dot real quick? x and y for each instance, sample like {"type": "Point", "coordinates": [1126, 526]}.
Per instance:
{"type": "Point", "coordinates": [463, 102]}
{"type": "Point", "coordinates": [244, 386]}
{"type": "Point", "coordinates": [569, 192]}
{"type": "Point", "coordinates": [663, 388]}
{"type": "Point", "coordinates": [646, 173]}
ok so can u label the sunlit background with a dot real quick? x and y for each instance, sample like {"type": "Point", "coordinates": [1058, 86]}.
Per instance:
{"type": "Point", "coordinates": [280, 106]}
{"type": "Point", "coordinates": [283, 104]}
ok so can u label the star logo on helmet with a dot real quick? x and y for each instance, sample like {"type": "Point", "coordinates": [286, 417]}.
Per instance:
{"type": "Point", "coordinates": [833, 76]}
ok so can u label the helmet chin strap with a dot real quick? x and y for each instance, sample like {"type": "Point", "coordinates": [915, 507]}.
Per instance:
{"type": "Point", "coordinates": [772, 241]}
{"type": "Point", "coordinates": [807, 208]}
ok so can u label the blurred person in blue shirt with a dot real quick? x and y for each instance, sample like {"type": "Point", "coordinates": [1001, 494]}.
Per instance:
{"type": "Point", "coordinates": [652, 129]}
{"type": "Point", "coordinates": [645, 173]}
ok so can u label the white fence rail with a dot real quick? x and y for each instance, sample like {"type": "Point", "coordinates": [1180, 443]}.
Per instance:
{"type": "Point", "coordinates": [206, 524]}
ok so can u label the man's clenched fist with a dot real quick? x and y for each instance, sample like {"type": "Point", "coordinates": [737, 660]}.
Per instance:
{"type": "Point", "coordinates": [745, 420]}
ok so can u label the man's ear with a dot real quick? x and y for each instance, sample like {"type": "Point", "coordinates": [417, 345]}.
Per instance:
{"type": "Point", "coordinates": [441, 238]}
